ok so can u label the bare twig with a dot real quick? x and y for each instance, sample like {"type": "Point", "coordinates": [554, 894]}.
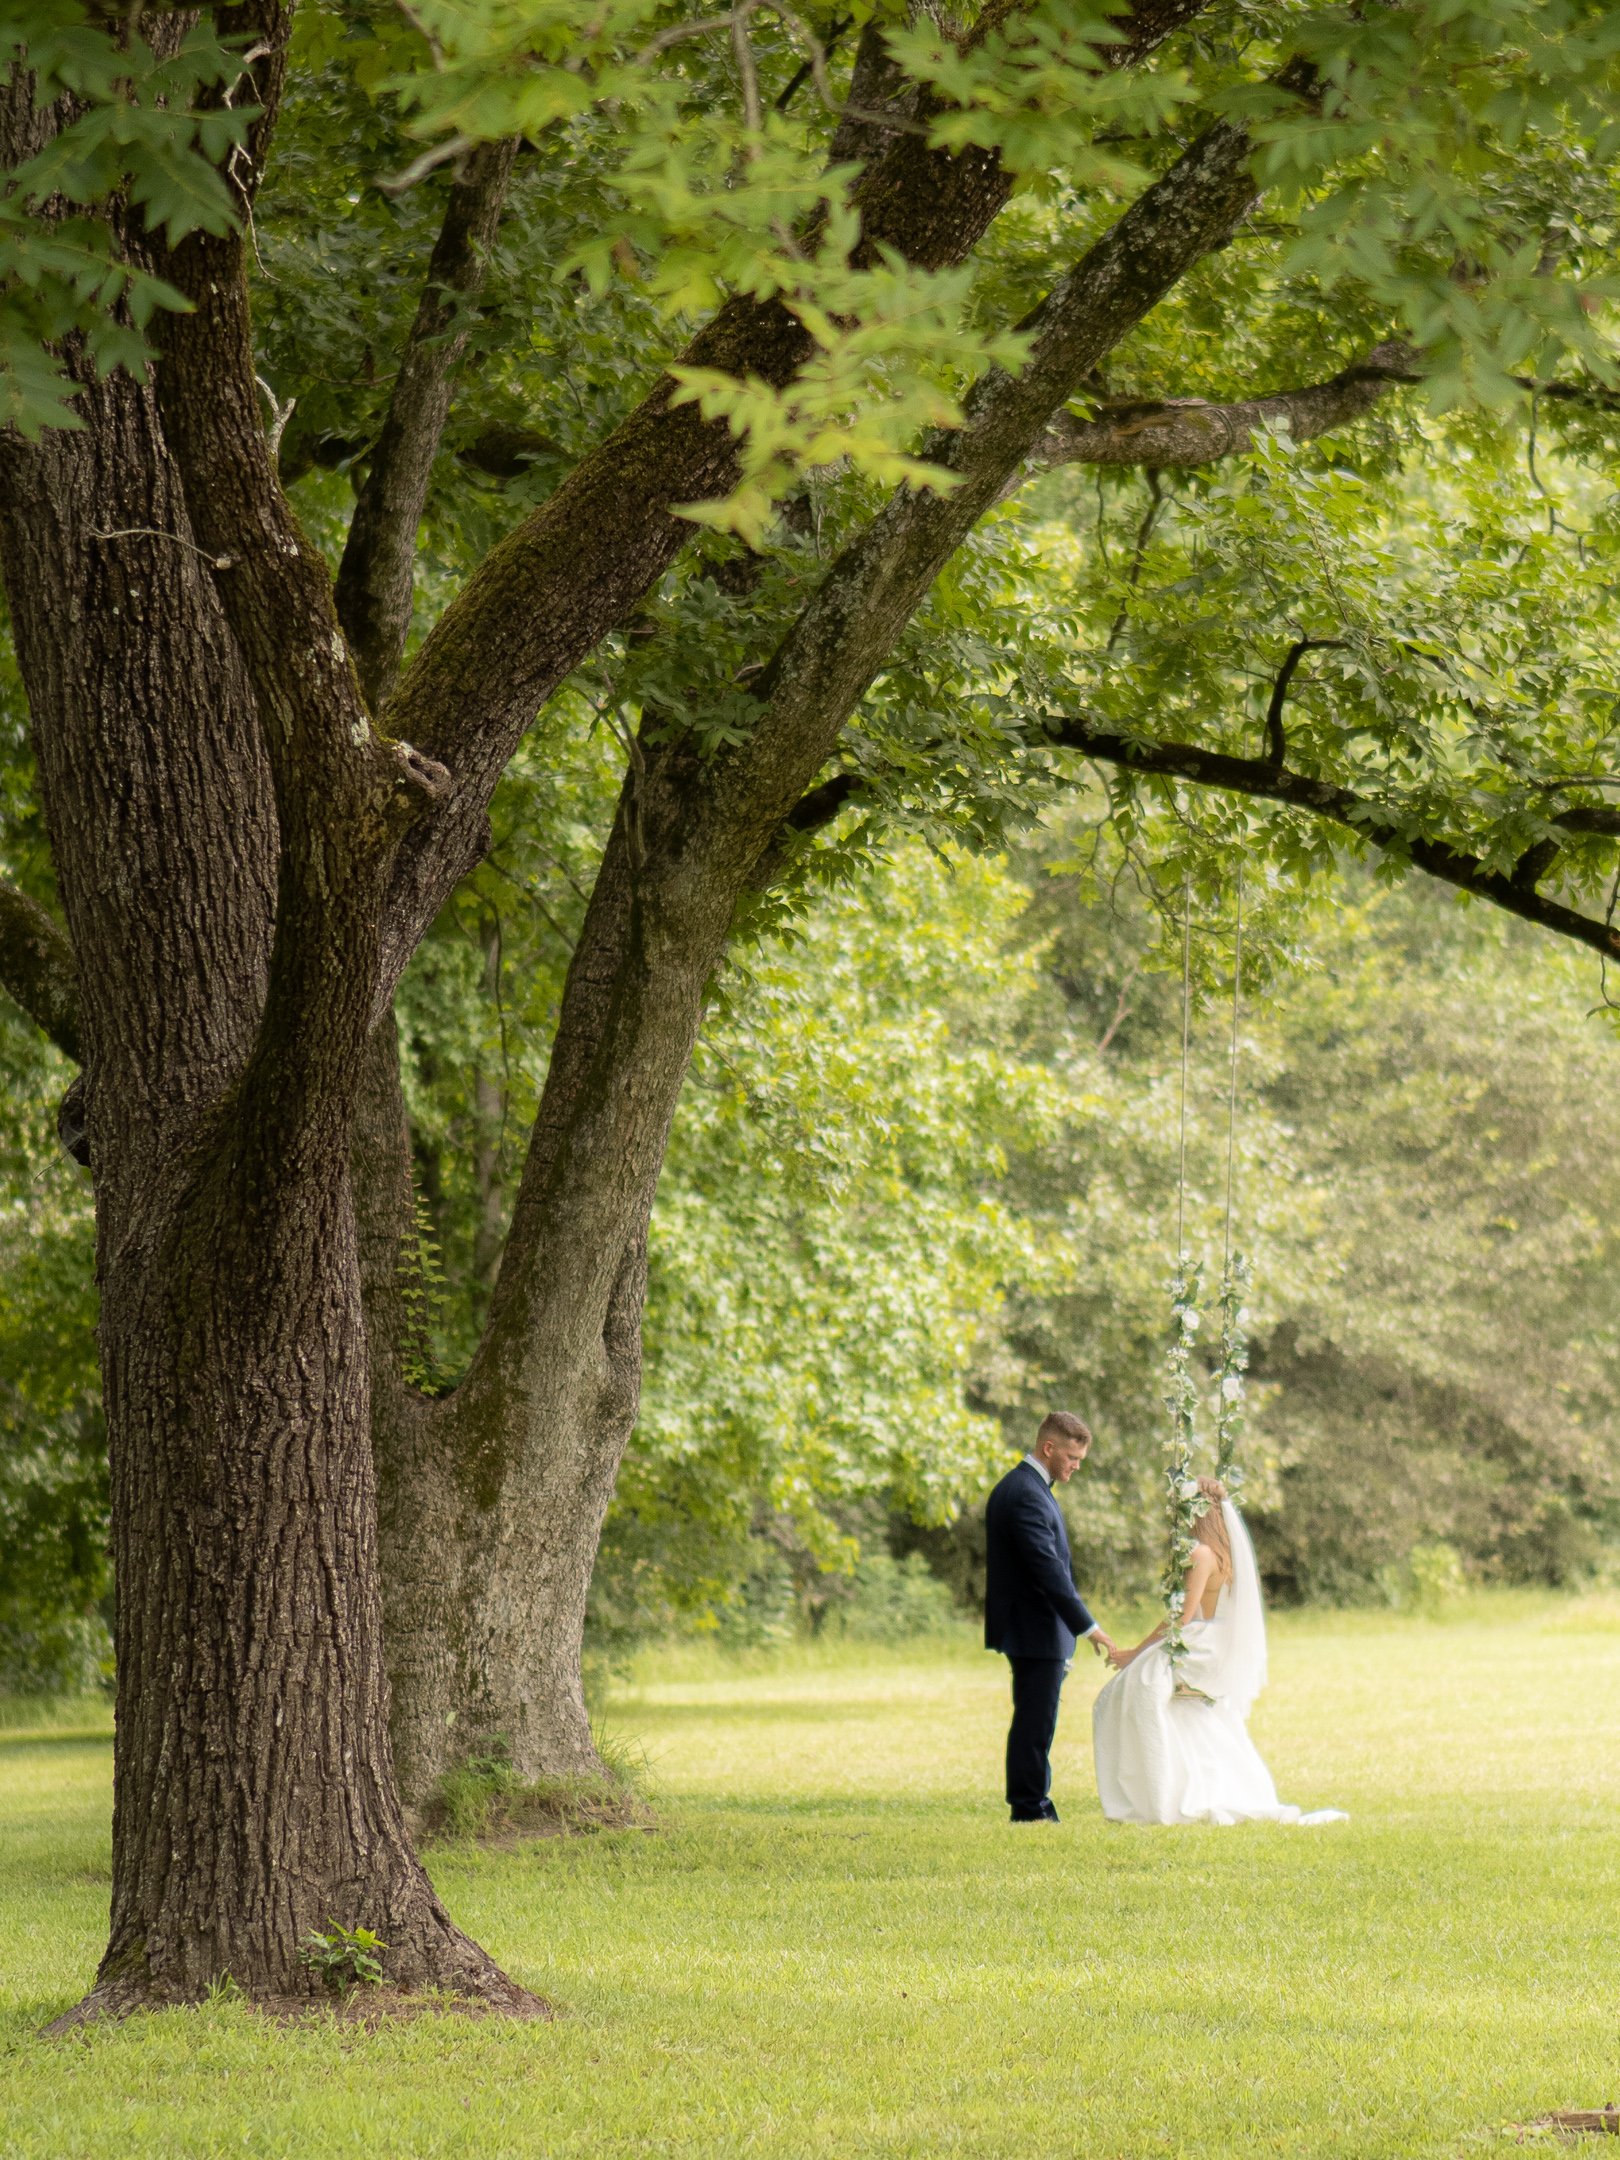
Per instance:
{"type": "Point", "coordinates": [444, 153]}
{"type": "Point", "coordinates": [279, 414]}
{"type": "Point", "coordinates": [706, 27]}
{"type": "Point", "coordinates": [1276, 741]}
{"type": "Point", "coordinates": [1144, 533]}
{"type": "Point", "coordinates": [819, 54]}
{"type": "Point", "coordinates": [152, 532]}
{"type": "Point", "coordinates": [743, 53]}
{"type": "Point", "coordinates": [1122, 1007]}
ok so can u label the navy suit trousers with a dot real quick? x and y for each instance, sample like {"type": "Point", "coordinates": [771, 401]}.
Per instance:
{"type": "Point", "coordinates": [1037, 1682]}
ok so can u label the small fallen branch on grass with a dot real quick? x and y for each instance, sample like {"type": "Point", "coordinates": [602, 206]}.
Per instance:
{"type": "Point", "coordinates": [1599, 2122]}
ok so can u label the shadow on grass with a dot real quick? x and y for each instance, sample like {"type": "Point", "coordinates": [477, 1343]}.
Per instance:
{"type": "Point", "coordinates": [853, 1809]}
{"type": "Point", "coordinates": [26, 1743]}
{"type": "Point", "coordinates": [774, 1710]}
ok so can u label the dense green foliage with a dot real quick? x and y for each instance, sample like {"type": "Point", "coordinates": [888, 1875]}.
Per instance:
{"type": "Point", "coordinates": [145, 128]}
{"type": "Point", "coordinates": [837, 1947]}
{"type": "Point", "coordinates": [55, 1588]}
{"type": "Point", "coordinates": [706, 143]}
{"type": "Point", "coordinates": [54, 1575]}
{"type": "Point", "coordinates": [1426, 1129]}
{"type": "Point", "coordinates": [923, 1186]}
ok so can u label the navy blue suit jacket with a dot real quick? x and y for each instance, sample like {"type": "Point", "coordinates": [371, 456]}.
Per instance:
{"type": "Point", "coordinates": [1031, 1606]}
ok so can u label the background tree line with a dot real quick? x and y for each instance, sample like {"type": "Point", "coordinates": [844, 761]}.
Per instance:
{"type": "Point", "coordinates": [922, 1184]}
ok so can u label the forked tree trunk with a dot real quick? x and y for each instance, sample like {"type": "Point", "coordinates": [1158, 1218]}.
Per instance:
{"type": "Point", "coordinates": [254, 1794]}
{"type": "Point", "coordinates": [529, 1450]}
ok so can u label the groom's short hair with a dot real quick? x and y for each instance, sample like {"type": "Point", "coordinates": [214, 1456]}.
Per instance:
{"type": "Point", "coordinates": [1063, 1425]}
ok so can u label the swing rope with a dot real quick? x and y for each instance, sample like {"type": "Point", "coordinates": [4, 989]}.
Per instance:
{"type": "Point", "coordinates": [1231, 1078]}
{"type": "Point", "coordinates": [1186, 1041]}
{"type": "Point", "coordinates": [1181, 1398]}
{"type": "Point", "coordinates": [1185, 1503]}
{"type": "Point", "coordinates": [1235, 1270]}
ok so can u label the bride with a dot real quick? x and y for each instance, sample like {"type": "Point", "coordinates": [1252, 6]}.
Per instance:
{"type": "Point", "coordinates": [1168, 1755]}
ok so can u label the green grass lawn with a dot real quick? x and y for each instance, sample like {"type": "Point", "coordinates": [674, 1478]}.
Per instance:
{"type": "Point", "coordinates": [837, 1946]}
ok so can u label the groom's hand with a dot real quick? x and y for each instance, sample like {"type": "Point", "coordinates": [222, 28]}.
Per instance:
{"type": "Point", "coordinates": [1104, 1645]}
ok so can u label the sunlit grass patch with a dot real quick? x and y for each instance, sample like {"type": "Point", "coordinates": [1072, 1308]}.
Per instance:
{"type": "Point", "coordinates": [836, 1946]}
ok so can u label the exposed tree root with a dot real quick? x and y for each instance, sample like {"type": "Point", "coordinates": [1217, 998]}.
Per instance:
{"type": "Point", "coordinates": [370, 2007]}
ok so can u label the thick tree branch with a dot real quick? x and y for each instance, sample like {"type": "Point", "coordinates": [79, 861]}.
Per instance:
{"type": "Point", "coordinates": [1592, 395]}
{"type": "Point", "coordinates": [342, 793]}
{"type": "Point", "coordinates": [847, 629]}
{"type": "Point", "coordinates": [693, 832]}
{"type": "Point", "coordinates": [38, 969]}
{"type": "Point", "coordinates": [822, 804]}
{"type": "Point", "coordinates": [1184, 432]}
{"type": "Point", "coordinates": [552, 590]}
{"type": "Point", "coordinates": [374, 577]}
{"type": "Point", "coordinates": [1260, 778]}
{"type": "Point", "coordinates": [809, 814]}
{"type": "Point", "coordinates": [1191, 431]}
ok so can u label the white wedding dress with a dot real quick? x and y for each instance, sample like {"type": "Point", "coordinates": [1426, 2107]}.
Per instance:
{"type": "Point", "coordinates": [1168, 1758]}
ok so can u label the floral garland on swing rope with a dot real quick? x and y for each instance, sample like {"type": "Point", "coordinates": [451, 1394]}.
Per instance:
{"type": "Point", "coordinates": [1186, 1504]}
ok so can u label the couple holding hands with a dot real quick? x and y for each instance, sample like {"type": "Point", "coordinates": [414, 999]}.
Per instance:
{"type": "Point", "coordinates": [1169, 1747]}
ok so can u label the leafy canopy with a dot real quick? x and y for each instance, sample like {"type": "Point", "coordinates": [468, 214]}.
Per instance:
{"type": "Point", "coordinates": [1447, 174]}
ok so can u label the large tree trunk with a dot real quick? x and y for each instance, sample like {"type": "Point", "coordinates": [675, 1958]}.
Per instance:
{"type": "Point", "coordinates": [255, 1792]}
{"type": "Point", "coordinates": [254, 1788]}
{"type": "Point", "coordinates": [485, 1633]}
{"type": "Point", "coordinates": [254, 1799]}
{"type": "Point", "coordinates": [492, 1517]}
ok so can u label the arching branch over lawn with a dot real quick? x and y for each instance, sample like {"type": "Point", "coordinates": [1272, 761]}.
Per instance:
{"type": "Point", "coordinates": [1259, 777]}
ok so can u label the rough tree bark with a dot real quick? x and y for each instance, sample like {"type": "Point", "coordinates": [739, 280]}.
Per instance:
{"type": "Point", "coordinates": [374, 578]}
{"type": "Point", "coordinates": [220, 857]}
{"type": "Point", "coordinates": [254, 1788]}
{"type": "Point", "coordinates": [38, 969]}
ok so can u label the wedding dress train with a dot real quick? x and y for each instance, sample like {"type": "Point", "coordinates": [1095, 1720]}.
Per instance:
{"type": "Point", "coordinates": [1168, 1758]}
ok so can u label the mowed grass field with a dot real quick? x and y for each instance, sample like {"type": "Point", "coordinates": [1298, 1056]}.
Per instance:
{"type": "Point", "coordinates": [836, 1946]}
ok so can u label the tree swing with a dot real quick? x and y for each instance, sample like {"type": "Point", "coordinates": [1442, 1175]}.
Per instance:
{"type": "Point", "coordinates": [1184, 1503]}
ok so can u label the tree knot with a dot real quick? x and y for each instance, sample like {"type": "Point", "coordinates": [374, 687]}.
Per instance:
{"type": "Point", "coordinates": [415, 770]}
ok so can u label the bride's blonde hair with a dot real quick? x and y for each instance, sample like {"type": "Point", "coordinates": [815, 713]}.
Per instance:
{"type": "Point", "coordinates": [1210, 1528]}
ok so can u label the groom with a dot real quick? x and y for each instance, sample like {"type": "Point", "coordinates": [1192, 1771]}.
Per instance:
{"type": "Point", "coordinates": [1032, 1611]}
